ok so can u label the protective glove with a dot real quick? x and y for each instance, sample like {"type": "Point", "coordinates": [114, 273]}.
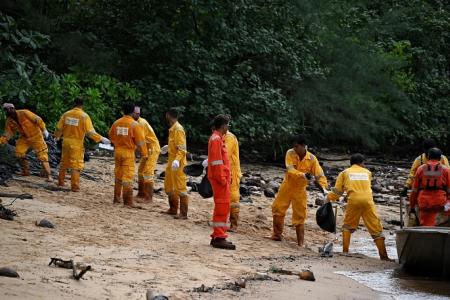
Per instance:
{"type": "Point", "coordinates": [175, 165]}
{"type": "Point", "coordinates": [404, 192]}
{"type": "Point", "coordinates": [164, 149]}
{"type": "Point", "coordinates": [447, 206]}
{"type": "Point", "coordinates": [105, 141]}
{"type": "Point", "coordinates": [205, 163]}
{"type": "Point", "coordinates": [46, 134]}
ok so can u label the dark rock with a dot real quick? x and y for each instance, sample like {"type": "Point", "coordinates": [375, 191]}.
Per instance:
{"type": "Point", "coordinates": [269, 193]}
{"type": "Point", "coordinates": [194, 169]}
{"type": "Point", "coordinates": [307, 275]}
{"type": "Point", "coordinates": [274, 185]}
{"type": "Point", "coordinates": [45, 223]}
{"type": "Point", "coordinates": [244, 190]}
{"type": "Point", "coordinates": [376, 188]}
{"type": "Point", "coordinates": [162, 175]}
{"type": "Point", "coordinates": [8, 272]}
{"type": "Point", "coordinates": [150, 295]}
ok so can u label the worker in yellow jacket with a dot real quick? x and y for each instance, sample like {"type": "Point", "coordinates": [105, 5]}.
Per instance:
{"type": "Point", "coordinates": [73, 126]}
{"type": "Point", "coordinates": [126, 135]}
{"type": "Point", "coordinates": [175, 178]}
{"type": "Point", "coordinates": [420, 160]}
{"type": "Point", "coordinates": [32, 132]}
{"type": "Point", "coordinates": [300, 164]}
{"type": "Point", "coordinates": [147, 166]}
{"type": "Point", "coordinates": [232, 145]}
{"type": "Point", "coordinates": [356, 183]}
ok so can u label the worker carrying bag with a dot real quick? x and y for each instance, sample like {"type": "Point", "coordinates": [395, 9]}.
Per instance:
{"type": "Point", "coordinates": [325, 217]}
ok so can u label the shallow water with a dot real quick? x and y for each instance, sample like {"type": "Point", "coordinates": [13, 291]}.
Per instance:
{"type": "Point", "coordinates": [395, 283]}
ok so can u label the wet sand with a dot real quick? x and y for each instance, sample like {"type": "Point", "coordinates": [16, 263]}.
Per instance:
{"type": "Point", "coordinates": [132, 251]}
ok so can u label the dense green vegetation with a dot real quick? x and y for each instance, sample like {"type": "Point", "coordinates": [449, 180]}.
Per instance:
{"type": "Point", "coordinates": [347, 73]}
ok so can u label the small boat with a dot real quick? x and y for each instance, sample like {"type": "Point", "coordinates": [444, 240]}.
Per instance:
{"type": "Point", "coordinates": [424, 250]}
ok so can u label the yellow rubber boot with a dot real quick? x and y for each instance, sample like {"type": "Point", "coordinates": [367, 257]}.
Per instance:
{"type": "Point", "coordinates": [184, 204]}
{"type": "Point", "coordinates": [47, 171]}
{"type": "Point", "coordinates": [382, 249]}
{"type": "Point", "coordinates": [278, 226]}
{"type": "Point", "coordinates": [75, 180]}
{"type": "Point", "coordinates": [61, 177]}
{"type": "Point", "coordinates": [117, 191]}
{"type": "Point", "coordinates": [141, 185]}
{"type": "Point", "coordinates": [300, 231]}
{"type": "Point", "coordinates": [346, 235]}
{"type": "Point", "coordinates": [234, 218]}
{"type": "Point", "coordinates": [25, 166]}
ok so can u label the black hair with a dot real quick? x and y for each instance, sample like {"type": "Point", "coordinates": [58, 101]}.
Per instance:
{"type": "Point", "coordinates": [79, 101]}
{"type": "Point", "coordinates": [173, 112]}
{"type": "Point", "coordinates": [434, 153]}
{"type": "Point", "coordinates": [220, 120]}
{"type": "Point", "coordinates": [299, 140]}
{"type": "Point", "coordinates": [427, 144]}
{"type": "Point", "coordinates": [128, 108]}
{"type": "Point", "coordinates": [357, 158]}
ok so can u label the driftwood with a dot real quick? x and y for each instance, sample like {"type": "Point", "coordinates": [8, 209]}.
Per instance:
{"type": "Point", "coordinates": [17, 196]}
{"type": "Point", "coordinates": [69, 264]}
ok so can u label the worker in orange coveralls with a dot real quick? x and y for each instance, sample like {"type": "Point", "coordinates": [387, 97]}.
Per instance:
{"type": "Point", "coordinates": [73, 126]}
{"type": "Point", "coordinates": [126, 135]}
{"type": "Point", "coordinates": [219, 175]}
{"type": "Point", "coordinates": [431, 189]}
{"type": "Point", "coordinates": [32, 132]}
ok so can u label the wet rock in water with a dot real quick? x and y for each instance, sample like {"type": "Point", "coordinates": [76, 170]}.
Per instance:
{"type": "Point", "coordinates": [269, 193]}
{"type": "Point", "coordinates": [8, 272]}
{"type": "Point", "coordinates": [376, 188]}
{"type": "Point", "coordinates": [244, 190]}
{"type": "Point", "coordinates": [150, 295]}
{"type": "Point", "coordinates": [274, 185]}
{"type": "Point", "coordinates": [253, 181]}
{"type": "Point", "coordinates": [45, 223]}
{"type": "Point", "coordinates": [307, 275]}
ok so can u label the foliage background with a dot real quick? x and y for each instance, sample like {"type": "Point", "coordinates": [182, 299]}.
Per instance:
{"type": "Point", "coordinates": [364, 75]}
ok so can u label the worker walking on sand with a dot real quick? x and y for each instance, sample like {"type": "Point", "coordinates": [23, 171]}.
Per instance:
{"type": "Point", "coordinates": [300, 164]}
{"type": "Point", "coordinates": [126, 134]}
{"type": "Point", "coordinates": [175, 178]}
{"type": "Point", "coordinates": [32, 133]}
{"type": "Point", "coordinates": [73, 126]}
{"type": "Point", "coordinates": [146, 171]}
{"type": "Point", "coordinates": [232, 145]}
{"type": "Point", "coordinates": [356, 182]}
{"type": "Point", "coordinates": [431, 189]}
{"type": "Point", "coordinates": [420, 160]}
{"type": "Point", "coordinates": [219, 175]}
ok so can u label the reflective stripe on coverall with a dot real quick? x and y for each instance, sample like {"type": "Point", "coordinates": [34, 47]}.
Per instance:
{"type": "Point", "coordinates": [293, 188]}
{"type": "Point", "coordinates": [430, 191]}
{"type": "Point", "coordinates": [356, 182]}
{"type": "Point", "coordinates": [146, 171]}
{"type": "Point", "coordinates": [420, 160]}
{"type": "Point", "coordinates": [219, 175]}
{"type": "Point", "coordinates": [175, 181]}
{"type": "Point", "coordinates": [232, 146]}
{"type": "Point", "coordinates": [126, 134]}
{"type": "Point", "coordinates": [30, 128]}
{"type": "Point", "coordinates": [73, 126]}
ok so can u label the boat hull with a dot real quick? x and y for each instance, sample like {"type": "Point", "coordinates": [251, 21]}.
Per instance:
{"type": "Point", "coordinates": [424, 250]}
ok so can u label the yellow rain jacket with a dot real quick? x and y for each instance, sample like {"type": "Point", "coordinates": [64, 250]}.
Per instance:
{"type": "Point", "coordinates": [356, 182]}
{"type": "Point", "coordinates": [175, 181]}
{"type": "Point", "coordinates": [147, 166]}
{"type": "Point", "coordinates": [73, 126]}
{"type": "Point", "coordinates": [293, 188]}
{"type": "Point", "coordinates": [30, 128]}
{"type": "Point", "coordinates": [232, 145]}
{"type": "Point", "coordinates": [126, 134]}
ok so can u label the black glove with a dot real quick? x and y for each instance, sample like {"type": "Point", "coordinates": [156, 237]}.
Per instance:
{"type": "Point", "coordinates": [404, 192]}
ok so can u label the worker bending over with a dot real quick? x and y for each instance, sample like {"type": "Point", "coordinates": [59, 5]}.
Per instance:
{"type": "Point", "coordinates": [32, 132]}
{"type": "Point", "coordinates": [356, 182]}
{"type": "Point", "coordinates": [300, 164]}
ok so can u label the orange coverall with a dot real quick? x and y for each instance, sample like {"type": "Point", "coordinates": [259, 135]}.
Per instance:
{"type": "Point", "coordinates": [420, 160]}
{"type": "Point", "coordinates": [430, 191]}
{"type": "Point", "coordinates": [219, 175]}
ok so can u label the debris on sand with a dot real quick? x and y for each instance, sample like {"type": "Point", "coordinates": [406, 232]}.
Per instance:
{"type": "Point", "coordinates": [8, 272]}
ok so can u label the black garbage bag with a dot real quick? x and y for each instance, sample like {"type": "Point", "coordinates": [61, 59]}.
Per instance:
{"type": "Point", "coordinates": [325, 217]}
{"type": "Point", "coordinates": [194, 170]}
{"type": "Point", "coordinates": [205, 188]}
